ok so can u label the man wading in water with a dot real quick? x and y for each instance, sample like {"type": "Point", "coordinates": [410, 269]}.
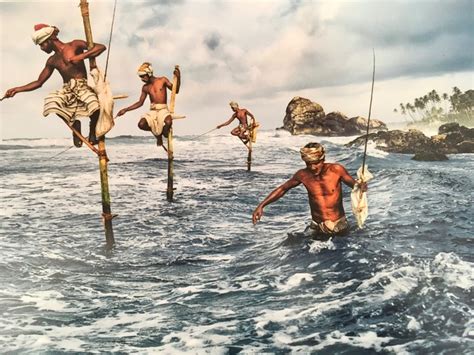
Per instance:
{"type": "Point", "coordinates": [76, 98]}
{"type": "Point", "coordinates": [323, 183]}
{"type": "Point", "coordinates": [242, 130]}
{"type": "Point", "coordinates": [159, 119]}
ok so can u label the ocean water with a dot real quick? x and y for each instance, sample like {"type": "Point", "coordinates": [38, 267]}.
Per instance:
{"type": "Point", "coordinates": [195, 276]}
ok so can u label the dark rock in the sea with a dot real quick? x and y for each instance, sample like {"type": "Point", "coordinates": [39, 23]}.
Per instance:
{"type": "Point", "coordinates": [302, 116]}
{"type": "Point", "coordinates": [465, 147]}
{"type": "Point", "coordinates": [430, 156]}
{"type": "Point", "coordinates": [306, 117]}
{"type": "Point", "coordinates": [397, 141]}
{"type": "Point", "coordinates": [452, 139]}
{"type": "Point", "coordinates": [360, 123]}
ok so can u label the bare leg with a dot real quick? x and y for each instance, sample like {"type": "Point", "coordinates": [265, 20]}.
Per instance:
{"type": "Point", "coordinates": [143, 125]}
{"type": "Point", "coordinates": [167, 125]}
{"type": "Point", "coordinates": [93, 123]}
{"type": "Point", "coordinates": [77, 126]}
{"type": "Point", "coordinates": [241, 133]}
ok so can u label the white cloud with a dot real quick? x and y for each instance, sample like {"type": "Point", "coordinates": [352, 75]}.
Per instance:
{"type": "Point", "coordinates": [262, 54]}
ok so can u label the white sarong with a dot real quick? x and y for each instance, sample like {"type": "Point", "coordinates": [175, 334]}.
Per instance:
{"type": "Point", "coordinates": [156, 117]}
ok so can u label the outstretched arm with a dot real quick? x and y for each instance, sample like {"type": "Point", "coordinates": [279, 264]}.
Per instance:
{"type": "Point", "coordinates": [347, 179]}
{"type": "Point", "coordinates": [44, 75]}
{"type": "Point", "coordinates": [136, 105]}
{"type": "Point", "coordinates": [226, 123]}
{"type": "Point", "coordinates": [274, 196]}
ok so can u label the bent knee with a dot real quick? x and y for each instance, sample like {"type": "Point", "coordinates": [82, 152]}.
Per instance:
{"type": "Point", "coordinates": [143, 125]}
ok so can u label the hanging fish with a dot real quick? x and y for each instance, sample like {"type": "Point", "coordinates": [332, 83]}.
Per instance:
{"type": "Point", "coordinates": [359, 203]}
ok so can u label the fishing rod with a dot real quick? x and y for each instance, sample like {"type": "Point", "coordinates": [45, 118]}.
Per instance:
{"type": "Point", "coordinates": [3, 98]}
{"type": "Point", "coordinates": [370, 111]}
{"type": "Point", "coordinates": [212, 130]}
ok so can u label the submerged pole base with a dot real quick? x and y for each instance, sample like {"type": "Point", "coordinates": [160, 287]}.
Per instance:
{"type": "Point", "coordinates": [109, 232]}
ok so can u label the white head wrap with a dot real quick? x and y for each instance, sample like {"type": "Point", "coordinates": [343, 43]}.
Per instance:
{"type": "Point", "coordinates": [42, 33]}
{"type": "Point", "coordinates": [145, 69]}
{"type": "Point", "coordinates": [313, 155]}
{"type": "Point", "coordinates": [234, 104]}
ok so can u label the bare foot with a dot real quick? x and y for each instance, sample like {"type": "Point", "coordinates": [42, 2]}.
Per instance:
{"type": "Point", "coordinates": [93, 139]}
{"type": "Point", "coordinates": [159, 140]}
{"type": "Point", "coordinates": [77, 126]}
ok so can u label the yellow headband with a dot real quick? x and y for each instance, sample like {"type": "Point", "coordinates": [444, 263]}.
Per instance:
{"type": "Point", "coordinates": [145, 69]}
{"type": "Point", "coordinates": [312, 155]}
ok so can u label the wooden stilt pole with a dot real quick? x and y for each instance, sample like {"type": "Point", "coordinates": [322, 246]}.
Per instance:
{"type": "Point", "coordinates": [170, 187]}
{"type": "Point", "coordinates": [81, 137]}
{"type": "Point", "coordinates": [249, 156]}
{"type": "Point", "coordinates": [104, 178]}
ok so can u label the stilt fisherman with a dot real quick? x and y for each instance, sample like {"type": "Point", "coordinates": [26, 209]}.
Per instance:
{"type": "Point", "coordinates": [76, 98]}
{"type": "Point", "coordinates": [243, 129]}
{"type": "Point", "coordinates": [158, 121]}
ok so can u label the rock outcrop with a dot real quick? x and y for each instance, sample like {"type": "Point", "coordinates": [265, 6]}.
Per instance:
{"type": "Point", "coordinates": [306, 117]}
{"type": "Point", "coordinates": [451, 139]}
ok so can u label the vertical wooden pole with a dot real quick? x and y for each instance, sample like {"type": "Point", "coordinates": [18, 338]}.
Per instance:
{"type": "Point", "coordinates": [104, 177]}
{"type": "Point", "coordinates": [170, 187]}
{"type": "Point", "coordinates": [249, 156]}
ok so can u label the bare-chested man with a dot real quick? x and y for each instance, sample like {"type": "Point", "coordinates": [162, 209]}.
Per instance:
{"type": "Point", "coordinates": [76, 98]}
{"type": "Point", "coordinates": [323, 183]}
{"type": "Point", "coordinates": [159, 119]}
{"type": "Point", "coordinates": [241, 130]}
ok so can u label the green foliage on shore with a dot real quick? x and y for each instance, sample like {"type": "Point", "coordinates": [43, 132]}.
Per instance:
{"type": "Point", "coordinates": [433, 108]}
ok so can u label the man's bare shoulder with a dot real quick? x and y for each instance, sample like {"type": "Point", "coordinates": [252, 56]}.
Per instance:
{"type": "Point", "coordinates": [77, 43]}
{"type": "Point", "coordinates": [336, 168]}
{"type": "Point", "coordinates": [51, 61]}
{"type": "Point", "coordinates": [301, 174]}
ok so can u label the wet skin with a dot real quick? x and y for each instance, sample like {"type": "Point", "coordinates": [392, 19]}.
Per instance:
{"type": "Point", "coordinates": [155, 88]}
{"type": "Point", "coordinates": [323, 184]}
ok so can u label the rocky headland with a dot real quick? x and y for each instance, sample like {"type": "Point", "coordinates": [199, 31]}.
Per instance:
{"type": "Point", "coordinates": [452, 138]}
{"type": "Point", "coordinates": [306, 117]}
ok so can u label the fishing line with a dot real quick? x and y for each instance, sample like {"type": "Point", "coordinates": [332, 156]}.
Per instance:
{"type": "Point", "coordinates": [110, 40]}
{"type": "Point", "coordinates": [368, 119]}
{"type": "Point", "coordinates": [63, 151]}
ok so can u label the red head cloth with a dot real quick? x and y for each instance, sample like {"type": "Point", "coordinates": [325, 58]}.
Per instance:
{"type": "Point", "coordinates": [42, 33]}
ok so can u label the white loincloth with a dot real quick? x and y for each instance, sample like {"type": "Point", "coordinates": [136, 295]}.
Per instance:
{"type": "Point", "coordinates": [330, 227]}
{"type": "Point", "coordinates": [156, 117]}
{"type": "Point", "coordinates": [75, 99]}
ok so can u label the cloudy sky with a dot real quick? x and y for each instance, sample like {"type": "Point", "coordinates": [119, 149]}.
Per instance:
{"type": "Point", "coordinates": [258, 53]}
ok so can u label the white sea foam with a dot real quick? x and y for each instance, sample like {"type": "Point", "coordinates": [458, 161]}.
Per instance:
{"type": "Point", "coordinates": [454, 271]}
{"type": "Point", "coordinates": [295, 280]}
{"type": "Point", "coordinates": [202, 338]}
{"type": "Point", "coordinates": [45, 300]}
{"type": "Point", "coordinates": [413, 324]}
{"type": "Point", "coordinates": [317, 246]}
